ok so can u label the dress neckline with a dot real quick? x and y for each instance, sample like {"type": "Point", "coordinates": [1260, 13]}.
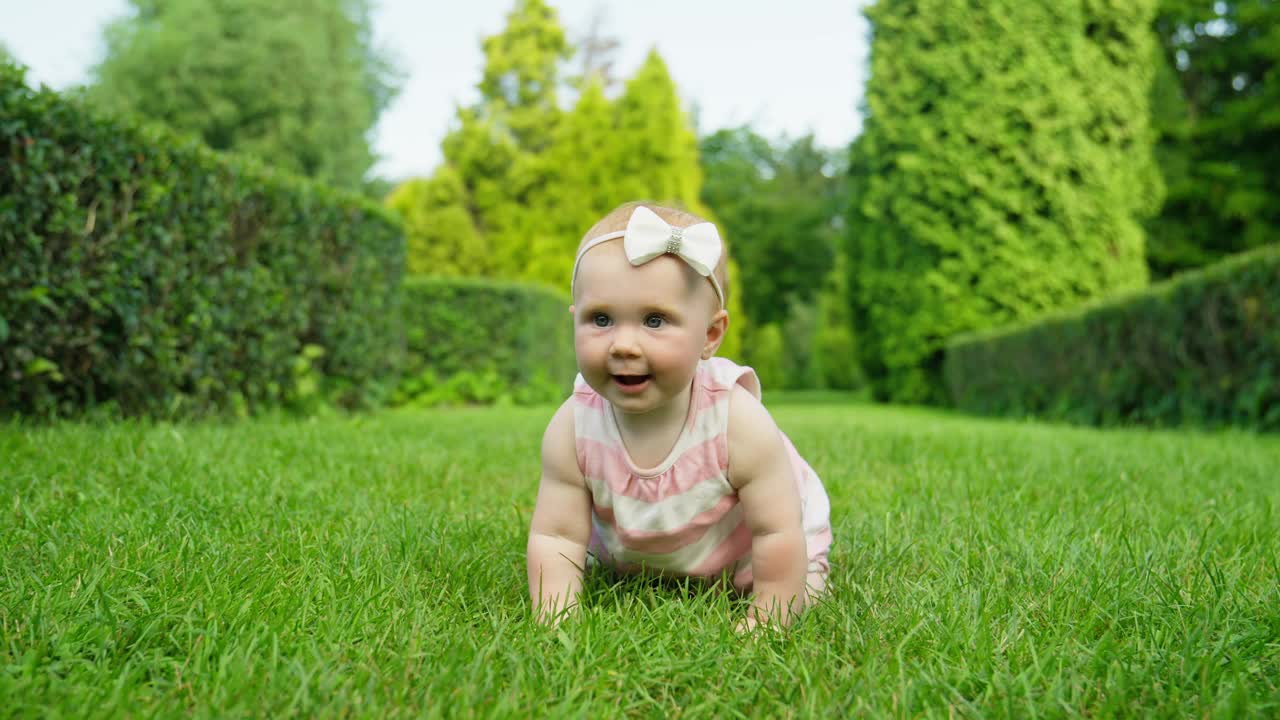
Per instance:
{"type": "Point", "coordinates": [672, 455]}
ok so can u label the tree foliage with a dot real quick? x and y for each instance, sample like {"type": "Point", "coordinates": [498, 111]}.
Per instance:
{"type": "Point", "coordinates": [297, 83]}
{"type": "Point", "coordinates": [657, 153]}
{"type": "Point", "coordinates": [583, 180]}
{"type": "Point", "coordinates": [835, 350]}
{"type": "Point", "coordinates": [1217, 108]}
{"type": "Point", "coordinates": [440, 237]}
{"type": "Point", "coordinates": [521, 79]}
{"type": "Point", "coordinates": [1005, 169]}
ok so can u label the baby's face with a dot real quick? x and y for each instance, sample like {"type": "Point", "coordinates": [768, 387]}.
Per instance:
{"type": "Point", "coordinates": [639, 331]}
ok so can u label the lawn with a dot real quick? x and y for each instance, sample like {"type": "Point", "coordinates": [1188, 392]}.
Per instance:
{"type": "Point", "coordinates": [375, 566]}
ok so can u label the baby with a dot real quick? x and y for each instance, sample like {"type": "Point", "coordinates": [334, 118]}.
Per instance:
{"type": "Point", "coordinates": [664, 460]}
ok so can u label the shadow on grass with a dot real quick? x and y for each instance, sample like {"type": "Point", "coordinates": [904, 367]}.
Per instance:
{"type": "Point", "coordinates": [606, 589]}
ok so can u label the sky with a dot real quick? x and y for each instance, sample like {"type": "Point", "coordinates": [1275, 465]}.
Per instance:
{"type": "Point", "coordinates": [786, 68]}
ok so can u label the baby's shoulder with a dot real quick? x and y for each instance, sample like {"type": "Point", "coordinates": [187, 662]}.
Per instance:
{"type": "Point", "coordinates": [559, 445]}
{"type": "Point", "coordinates": [748, 418]}
{"type": "Point", "coordinates": [562, 421]}
{"type": "Point", "coordinates": [721, 374]}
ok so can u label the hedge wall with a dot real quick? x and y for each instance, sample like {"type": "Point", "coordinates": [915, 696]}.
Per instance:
{"type": "Point", "coordinates": [1203, 348]}
{"type": "Point", "coordinates": [473, 340]}
{"type": "Point", "coordinates": [142, 269]}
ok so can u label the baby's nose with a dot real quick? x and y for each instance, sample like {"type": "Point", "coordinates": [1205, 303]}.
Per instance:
{"type": "Point", "coordinates": [624, 343]}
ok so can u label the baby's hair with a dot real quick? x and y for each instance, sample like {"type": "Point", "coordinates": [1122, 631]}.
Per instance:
{"type": "Point", "coordinates": [616, 220]}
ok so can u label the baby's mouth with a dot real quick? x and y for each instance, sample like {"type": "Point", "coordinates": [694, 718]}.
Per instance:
{"type": "Point", "coordinates": [630, 379]}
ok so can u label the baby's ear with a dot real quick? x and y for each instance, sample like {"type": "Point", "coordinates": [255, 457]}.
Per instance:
{"type": "Point", "coordinates": [715, 333]}
{"type": "Point", "coordinates": [571, 309]}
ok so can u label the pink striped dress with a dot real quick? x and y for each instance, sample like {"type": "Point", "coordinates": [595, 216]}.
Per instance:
{"type": "Point", "coordinates": [683, 517]}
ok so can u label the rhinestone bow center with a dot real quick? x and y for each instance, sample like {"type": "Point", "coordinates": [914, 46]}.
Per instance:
{"type": "Point", "coordinates": [674, 242]}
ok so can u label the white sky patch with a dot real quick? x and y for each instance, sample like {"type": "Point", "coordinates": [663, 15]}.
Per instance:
{"type": "Point", "coordinates": [784, 68]}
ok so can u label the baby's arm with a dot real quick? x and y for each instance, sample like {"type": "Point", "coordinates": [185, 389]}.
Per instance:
{"type": "Point", "coordinates": [760, 470]}
{"type": "Point", "coordinates": [561, 526]}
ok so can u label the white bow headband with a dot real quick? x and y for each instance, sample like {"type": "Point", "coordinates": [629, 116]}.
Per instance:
{"type": "Point", "coordinates": [648, 236]}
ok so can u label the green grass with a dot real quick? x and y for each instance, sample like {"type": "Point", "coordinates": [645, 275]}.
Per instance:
{"type": "Point", "coordinates": [375, 566]}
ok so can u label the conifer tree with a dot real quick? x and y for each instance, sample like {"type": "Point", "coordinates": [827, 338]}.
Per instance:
{"type": "Point", "coordinates": [659, 151]}
{"type": "Point", "coordinates": [585, 184]}
{"type": "Point", "coordinates": [1005, 170]}
{"type": "Point", "coordinates": [521, 80]}
{"type": "Point", "coordinates": [495, 147]}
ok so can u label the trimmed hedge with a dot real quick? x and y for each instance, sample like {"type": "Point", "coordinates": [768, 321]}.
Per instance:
{"type": "Point", "coordinates": [143, 270]}
{"type": "Point", "coordinates": [1202, 348]}
{"type": "Point", "coordinates": [479, 341]}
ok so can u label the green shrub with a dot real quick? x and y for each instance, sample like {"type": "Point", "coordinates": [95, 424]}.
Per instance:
{"type": "Point", "coordinates": [801, 366]}
{"type": "Point", "coordinates": [837, 354]}
{"type": "Point", "coordinates": [835, 345]}
{"type": "Point", "coordinates": [483, 341]}
{"type": "Point", "coordinates": [1202, 348]}
{"type": "Point", "coordinates": [146, 272]}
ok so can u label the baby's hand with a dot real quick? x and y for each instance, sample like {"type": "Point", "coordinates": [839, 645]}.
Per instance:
{"type": "Point", "coordinates": [752, 624]}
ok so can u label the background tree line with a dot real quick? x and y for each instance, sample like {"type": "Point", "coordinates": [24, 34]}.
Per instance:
{"type": "Point", "coordinates": [1017, 158]}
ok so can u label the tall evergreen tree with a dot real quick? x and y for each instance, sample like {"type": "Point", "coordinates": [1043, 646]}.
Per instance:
{"type": "Point", "coordinates": [1005, 170]}
{"type": "Point", "coordinates": [496, 145]}
{"type": "Point", "coordinates": [297, 83]}
{"type": "Point", "coordinates": [585, 184]}
{"type": "Point", "coordinates": [1217, 108]}
{"type": "Point", "coordinates": [521, 81]}
{"type": "Point", "coordinates": [658, 156]}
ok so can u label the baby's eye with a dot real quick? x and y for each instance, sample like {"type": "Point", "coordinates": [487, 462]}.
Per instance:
{"type": "Point", "coordinates": [654, 321]}
{"type": "Point", "coordinates": [600, 320]}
